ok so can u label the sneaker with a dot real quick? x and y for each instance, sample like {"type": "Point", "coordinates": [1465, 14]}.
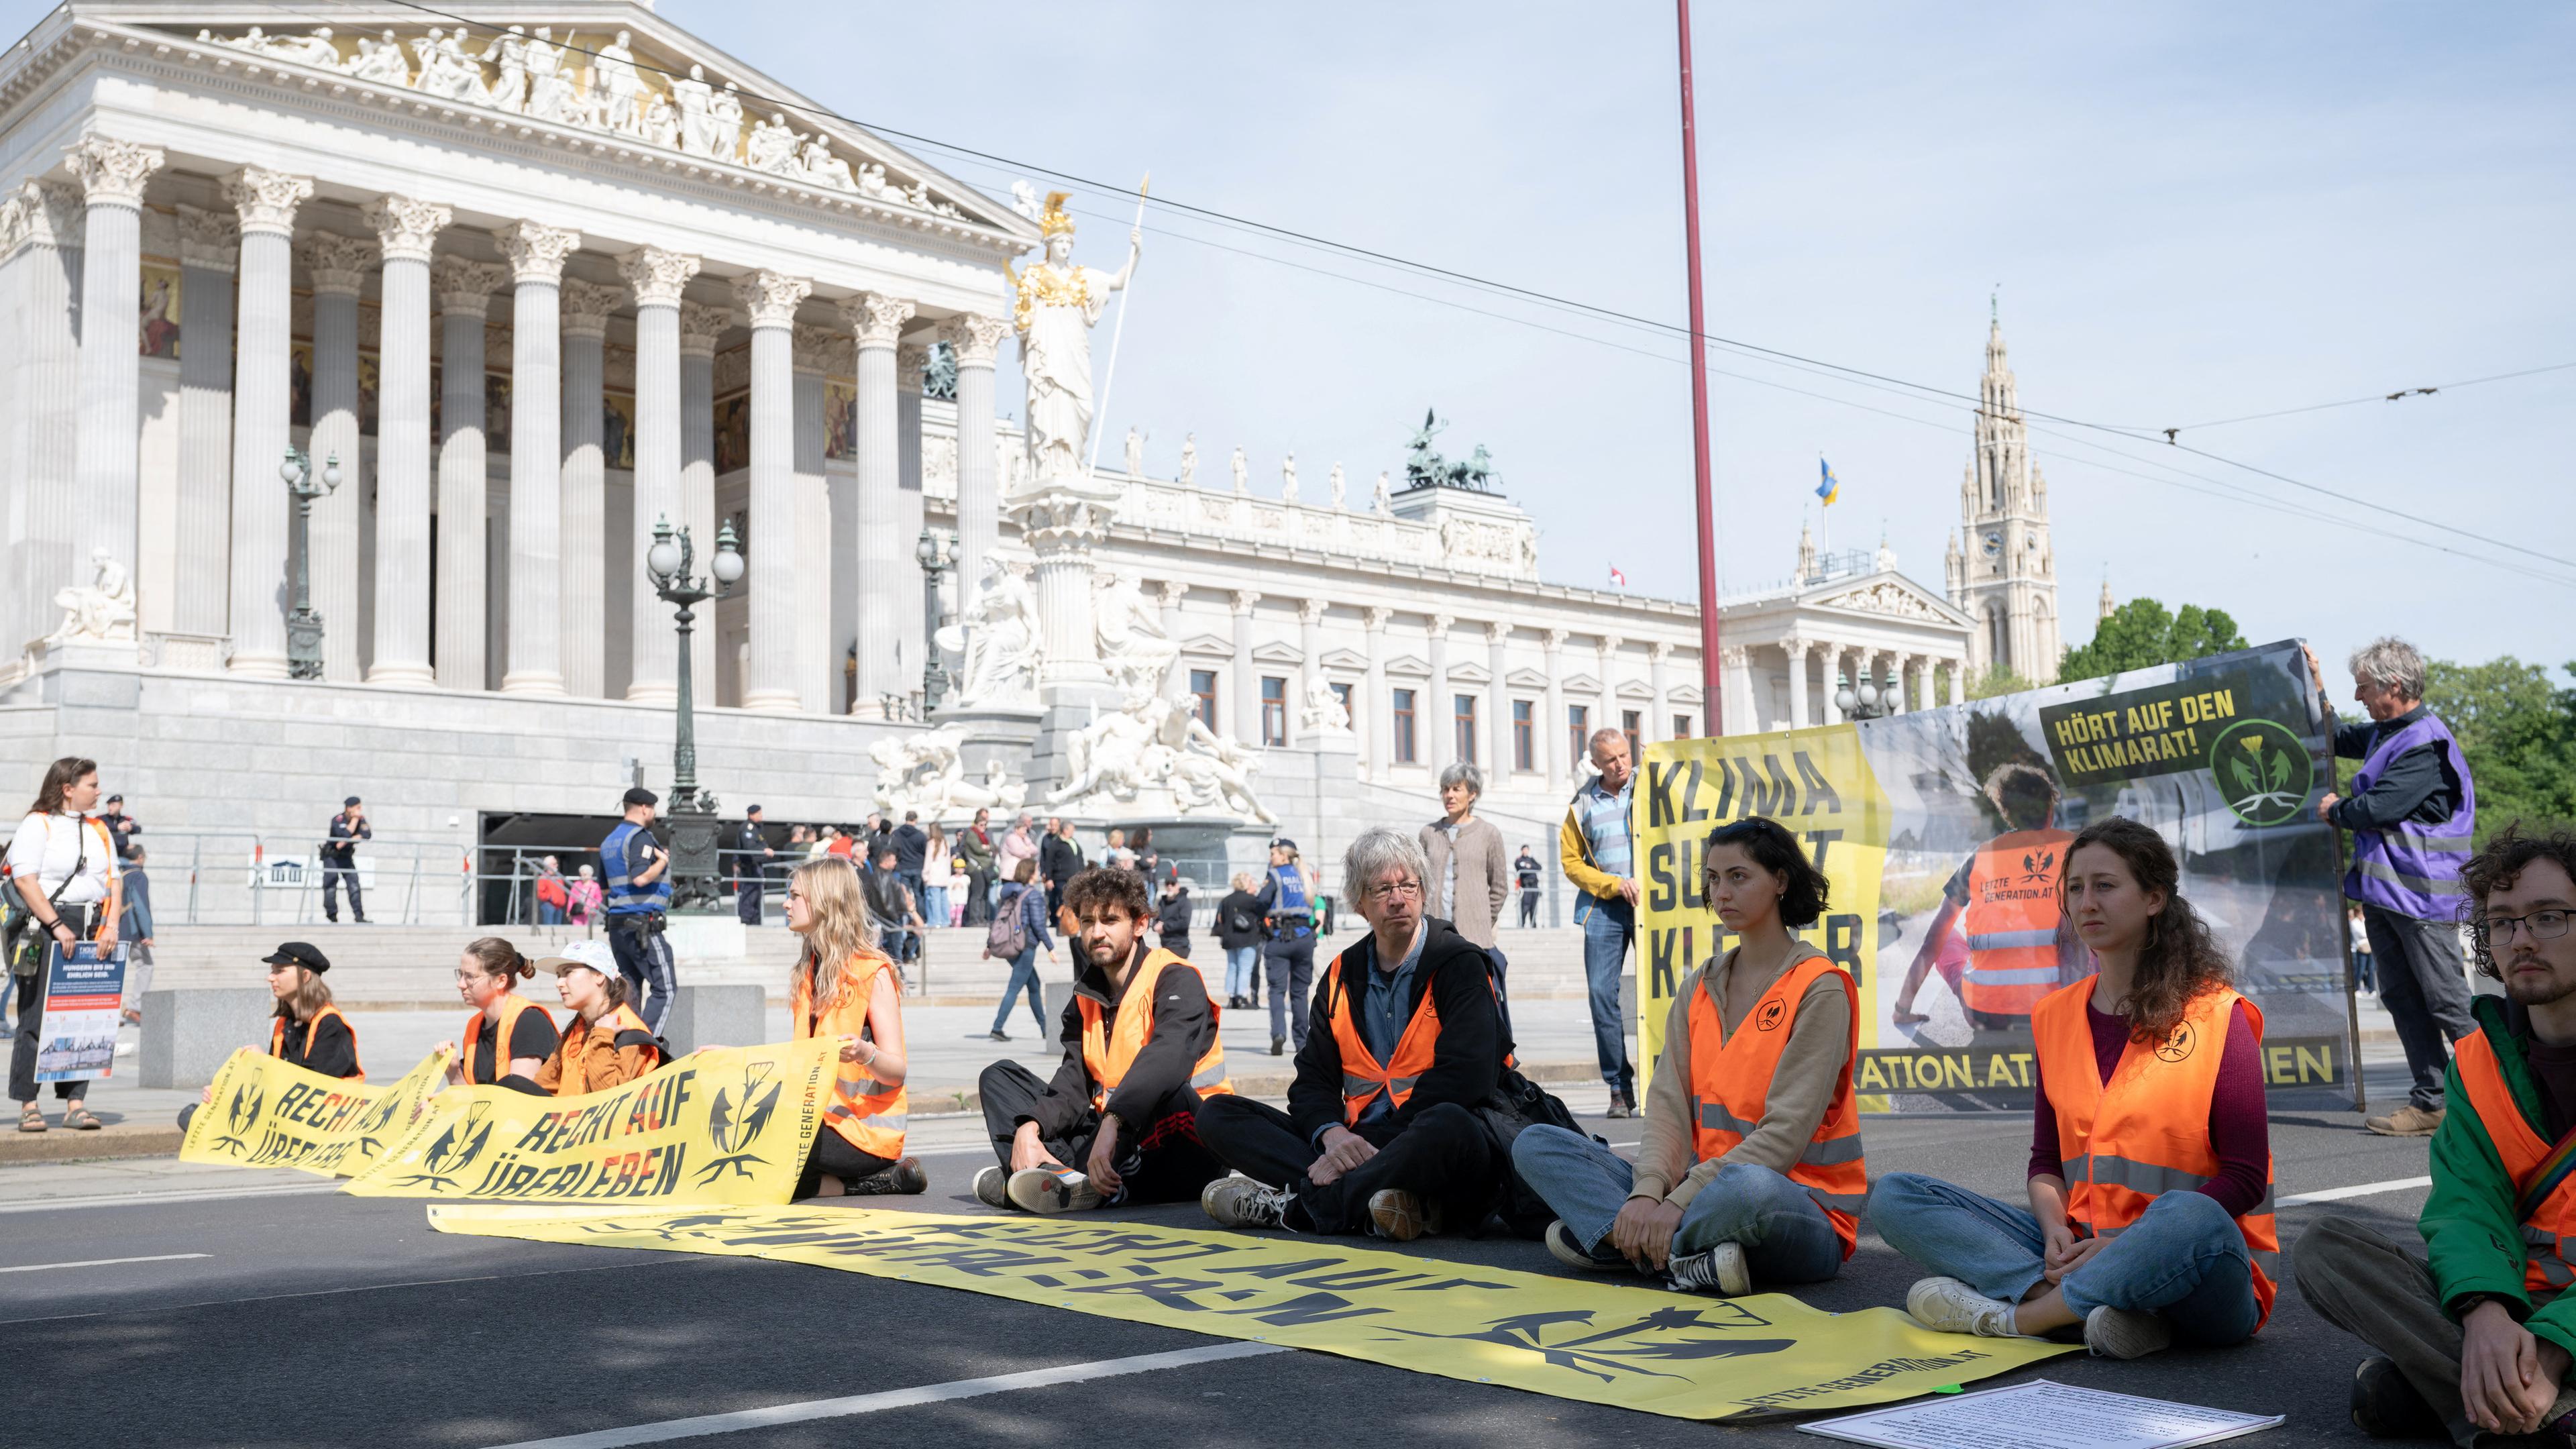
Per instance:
{"type": "Point", "coordinates": [904, 1179]}
{"type": "Point", "coordinates": [2126, 1333]}
{"type": "Point", "coordinates": [1279, 1046]}
{"type": "Point", "coordinates": [1946, 1305]}
{"type": "Point", "coordinates": [1620, 1106]}
{"type": "Point", "coordinates": [2407, 1121]}
{"type": "Point", "coordinates": [1400, 1217]}
{"type": "Point", "coordinates": [1053, 1190]}
{"type": "Point", "coordinates": [1720, 1268]}
{"type": "Point", "coordinates": [1239, 1202]}
{"type": "Point", "coordinates": [2386, 1406]}
{"type": "Point", "coordinates": [993, 1188]}
{"type": "Point", "coordinates": [1568, 1249]}
{"type": "Point", "coordinates": [995, 1036]}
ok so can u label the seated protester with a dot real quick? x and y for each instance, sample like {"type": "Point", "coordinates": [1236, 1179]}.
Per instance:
{"type": "Point", "coordinates": [484, 977]}
{"type": "Point", "coordinates": [309, 1031]}
{"type": "Point", "coordinates": [605, 1044]}
{"type": "Point", "coordinates": [1750, 1172]}
{"type": "Point", "coordinates": [844, 987]}
{"type": "Point", "coordinates": [2150, 1177]}
{"type": "Point", "coordinates": [2477, 1334]}
{"type": "Point", "coordinates": [1140, 1050]}
{"type": "Point", "coordinates": [1380, 1132]}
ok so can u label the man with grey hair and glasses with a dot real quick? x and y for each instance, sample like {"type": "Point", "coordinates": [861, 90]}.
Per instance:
{"type": "Point", "coordinates": [2412, 815]}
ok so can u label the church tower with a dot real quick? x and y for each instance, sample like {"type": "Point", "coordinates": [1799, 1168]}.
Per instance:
{"type": "Point", "coordinates": [2002, 569]}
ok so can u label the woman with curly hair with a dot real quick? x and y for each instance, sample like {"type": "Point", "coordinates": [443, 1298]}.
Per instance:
{"type": "Point", "coordinates": [844, 987]}
{"type": "Point", "coordinates": [2150, 1181]}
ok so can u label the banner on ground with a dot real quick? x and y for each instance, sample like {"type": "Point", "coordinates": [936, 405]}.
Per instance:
{"type": "Point", "coordinates": [84, 991]}
{"type": "Point", "coordinates": [1944, 831]}
{"type": "Point", "coordinates": [263, 1112]}
{"type": "Point", "coordinates": [729, 1125]}
{"type": "Point", "coordinates": [1679, 1354]}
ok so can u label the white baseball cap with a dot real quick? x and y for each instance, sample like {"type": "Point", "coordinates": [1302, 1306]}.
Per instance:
{"type": "Point", "coordinates": [593, 954]}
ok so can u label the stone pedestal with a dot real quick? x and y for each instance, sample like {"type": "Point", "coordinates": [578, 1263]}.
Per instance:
{"type": "Point", "coordinates": [996, 733]}
{"type": "Point", "coordinates": [717, 1016]}
{"type": "Point", "coordinates": [189, 1035]}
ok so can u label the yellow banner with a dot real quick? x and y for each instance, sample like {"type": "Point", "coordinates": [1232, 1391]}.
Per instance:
{"type": "Point", "coordinates": [1679, 1354]}
{"type": "Point", "coordinates": [730, 1125]}
{"type": "Point", "coordinates": [263, 1112]}
{"type": "Point", "coordinates": [1816, 783]}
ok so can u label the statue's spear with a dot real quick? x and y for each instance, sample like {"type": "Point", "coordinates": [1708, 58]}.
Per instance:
{"type": "Point", "coordinates": [1100, 414]}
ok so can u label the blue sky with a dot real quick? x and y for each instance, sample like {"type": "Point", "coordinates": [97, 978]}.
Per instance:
{"type": "Point", "coordinates": [2193, 212]}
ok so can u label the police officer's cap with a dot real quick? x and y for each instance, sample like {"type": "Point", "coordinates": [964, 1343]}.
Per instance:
{"type": "Point", "coordinates": [1283, 843]}
{"type": "Point", "coordinates": [641, 796]}
{"type": "Point", "coordinates": [352, 800]}
{"type": "Point", "coordinates": [297, 953]}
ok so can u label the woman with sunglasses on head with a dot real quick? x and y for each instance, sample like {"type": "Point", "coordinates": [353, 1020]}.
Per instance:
{"type": "Point", "coordinates": [508, 1038]}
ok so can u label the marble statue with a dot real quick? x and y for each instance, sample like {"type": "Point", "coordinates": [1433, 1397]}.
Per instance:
{"type": "Point", "coordinates": [699, 135]}
{"type": "Point", "coordinates": [1058, 303]}
{"type": "Point", "coordinates": [1288, 479]}
{"type": "Point", "coordinates": [1381, 502]}
{"type": "Point", "coordinates": [924, 772]}
{"type": "Point", "coordinates": [1323, 713]}
{"type": "Point", "coordinates": [1024, 200]}
{"type": "Point", "coordinates": [823, 168]}
{"type": "Point", "coordinates": [1242, 472]}
{"type": "Point", "coordinates": [1341, 487]}
{"type": "Point", "coordinates": [724, 108]}
{"type": "Point", "coordinates": [1189, 474]}
{"type": "Point", "coordinates": [445, 71]}
{"type": "Point", "coordinates": [101, 611]}
{"type": "Point", "coordinates": [772, 146]}
{"type": "Point", "coordinates": [509, 52]}
{"type": "Point", "coordinates": [1220, 778]}
{"type": "Point", "coordinates": [1133, 647]}
{"type": "Point", "coordinates": [317, 49]}
{"type": "Point", "coordinates": [550, 90]}
{"type": "Point", "coordinates": [872, 182]}
{"type": "Point", "coordinates": [999, 637]}
{"type": "Point", "coordinates": [662, 123]}
{"type": "Point", "coordinates": [1154, 753]}
{"type": "Point", "coordinates": [616, 86]}
{"type": "Point", "coordinates": [1135, 454]}
{"type": "Point", "coordinates": [381, 61]}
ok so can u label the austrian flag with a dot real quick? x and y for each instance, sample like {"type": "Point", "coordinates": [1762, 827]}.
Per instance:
{"type": "Point", "coordinates": [1618, 580]}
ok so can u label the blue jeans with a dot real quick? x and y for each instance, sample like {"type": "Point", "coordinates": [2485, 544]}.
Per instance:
{"type": "Point", "coordinates": [1785, 1236]}
{"type": "Point", "coordinates": [1608, 928]}
{"type": "Point", "coordinates": [1242, 970]}
{"type": "Point", "coordinates": [1024, 975]}
{"type": "Point", "coordinates": [2183, 1258]}
{"type": "Point", "coordinates": [549, 914]}
{"type": "Point", "coordinates": [934, 906]}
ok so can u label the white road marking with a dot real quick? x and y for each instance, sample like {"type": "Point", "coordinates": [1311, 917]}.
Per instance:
{"type": "Point", "coordinates": [103, 1262]}
{"type": "Point", "coordinates": [2338, 1194]}
{"type": "Point", "coordinates": [147, 1199]}
{"type": "Point", "coordinates": [776, 1414]}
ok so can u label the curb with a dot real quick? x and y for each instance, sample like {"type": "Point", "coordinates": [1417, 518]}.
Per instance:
{"type": "Point", "coordinates": [117, 1139]}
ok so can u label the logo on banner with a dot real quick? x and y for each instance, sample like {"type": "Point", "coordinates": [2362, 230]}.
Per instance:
{"type": "Point", "coordinates": [741, 1113]}
{"type": "Point", "coordinates": [2263, 771]}
{"type": "Point", "coordinates": [1567, 1339]}
{"type": "Point", "coordinates": [240, 1115]}
{"type": "Point", "coordinates": [455, 1150]}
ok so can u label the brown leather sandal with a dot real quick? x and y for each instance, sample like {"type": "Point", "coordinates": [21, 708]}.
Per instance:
{"type": "Point", "coordinates": [31, 1120]}
{"type": "Point", "coordinates": [80, 1118]}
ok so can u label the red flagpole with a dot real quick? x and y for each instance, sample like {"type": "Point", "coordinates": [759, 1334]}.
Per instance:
{"type": "Point", "coordinates": [1712, 691]}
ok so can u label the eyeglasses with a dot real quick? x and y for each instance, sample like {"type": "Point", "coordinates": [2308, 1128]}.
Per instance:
{"type": "Point", "coordinates": [2543, 926]}
{"type": "Point", "coordinates": [1384, 891]}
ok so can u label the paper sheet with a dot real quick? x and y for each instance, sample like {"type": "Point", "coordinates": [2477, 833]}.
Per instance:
{"type": "Point", "coordinates": [2040, 1415]}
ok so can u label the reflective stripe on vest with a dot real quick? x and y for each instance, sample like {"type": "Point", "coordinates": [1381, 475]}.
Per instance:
{"type": "Point", "coordinates": [512, 1006]}
{"type": "Point", "coordinates": [624, 897]}
{"type": "Point", "coordinates": [573, 1077]}
{"type": "Point", "coordinates": [869, 1114]}
{"type": "Point", "coordinates": [277, 1040]}
{"type": "Point", "coordinates": [2522, 1150]}
{"type": "Point", "coordinates": [1363, 1075]}
{"type": "Point", "coordinates": [2145, 1133]}
{"type": "Point", "coordinates": [2410, 866]}
{"type": "Point", "coordinates": [2010, 922]}
{"type": "Point", "coordinates": [1730, 1082]}
{"type": "Point", "coordinates": [1109, 1049]}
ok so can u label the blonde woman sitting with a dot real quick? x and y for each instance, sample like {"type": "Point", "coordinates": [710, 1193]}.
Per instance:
{"type": "Point", "coordinates": [844, 987]}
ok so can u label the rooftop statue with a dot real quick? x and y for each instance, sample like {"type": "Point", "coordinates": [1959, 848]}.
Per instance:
{"type": "Point", "coordinates": [1057, 306]}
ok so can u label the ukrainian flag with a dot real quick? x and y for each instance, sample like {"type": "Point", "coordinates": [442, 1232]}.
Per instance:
{"type": "Point", "coordinates": [1829, 486]}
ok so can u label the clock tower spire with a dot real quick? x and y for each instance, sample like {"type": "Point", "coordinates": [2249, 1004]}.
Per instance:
{"type": "Point", "coordinates": [2003, 570]}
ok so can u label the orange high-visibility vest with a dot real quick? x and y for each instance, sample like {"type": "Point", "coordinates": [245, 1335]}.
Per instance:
{"type": "Point", "coordinates": [2011, 922]}
{"type": "Point", "coordinates": [2144, 1133]}
{"type": "Point", "coordinates": [1109, 1048]}
{"type": "Point", "coordinates": [2548, 1223]}
{"type": "Point", "coordinates": [512, 1006]}
{"type": "Point", "coordinates": [1731, 1089]}
{"type": "Point", "coordinates": [868, 1114]}
{"type": "Point", "coordinates": [1363, 1075]}
{"type": "Point", "coordinates": [277, 1040]}
{"type": "Point", "coordinates": [573, 1077]}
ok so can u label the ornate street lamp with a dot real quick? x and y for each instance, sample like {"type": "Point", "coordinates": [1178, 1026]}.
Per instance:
{"type": "Point", "coordinates": [936, 553]}
{"type": "Point", "coordinates": [692, 811]}
{"type": "Point", "coordinates": [1867, 702]}
{"type": "Point", "coordinates": [303, 626]}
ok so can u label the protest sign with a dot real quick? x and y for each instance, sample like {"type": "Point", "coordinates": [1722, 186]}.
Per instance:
{"type": "Point", "coordinates": [263, 1112]}
{"type": "Point", "coordinates": [84, 987]}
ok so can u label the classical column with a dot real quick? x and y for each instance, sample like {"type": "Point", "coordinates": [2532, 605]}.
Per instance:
{"type": "Point", "coordinates": [1246, 725]}
{"type": "Point", "coordinates": [1172, 593]}
{"type": "Point", "coordinates": [338, 266]}
{"type": "Point", "coordinates": [700, 327]}
{"type": "Point", "coordinates": [975, 339]}
{"type": "Point", "coordinates": [536, 255]}
{"type": "Point", "coordinates": [1442, 716]}
{"type": "Point", "coordinates": [772, 298]}
{"type": "Point", "coordinates": [1310, 650]}
{"type": "Point", "coordinates": [1377, 711]}
{"type": "Point", "coordinates": [1659, 721]}
{"type": "Point", "coordinates": [876, 320]}
{"type": "Point", "coordinates": [108, 473]}
{"type": "Point", "coordinates": [266, 202]}
{"type": "Point", "coordinates": [48, 373]}
{"type": "Point", "coordinates": [816, 670]}
{"type": "Point", "coordinates": [1955, 688]}
{"type": "Point", "coordinates": [911, 513]}
{"type": "Point", "coordinates": [1551, 730]}
{"type": "Point", "coordinates": [1606, 715]}
{"type": "Point", "coordinates": [404, 231]}
{"type": "Point", "coordinates": [583, 637]}
{"type": "Point", "coordinates": [209, 249]}
{"type": "Point", "coordinates": [1798, 649]}
{"type": "Point", "coordinates": [1498, 706]}
{"type": "Point", "coordinates": [655, 277]}
{"type": "Point", "coordinates": [464, 303]}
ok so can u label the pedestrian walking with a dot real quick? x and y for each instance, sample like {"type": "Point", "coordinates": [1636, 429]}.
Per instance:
{"type": "Point", "coordinates": [751, 857]}
{"type": "Point", "coordinates": [135, 926]}
{"type": "Point", "coordinates": [1018, 933]}
{"type": "Point", "coordinates": [554, 894]}
{"type": "Point", "coordinates": [1287, 899]}
{"type": "Point", "coordinates": [340, 859]}
{"type": "Point", "coordinates": [1238, 934]}
{"type": "Point", "coordinates": [976, 853]}
{"type": "Point", "coordinates": [2412, 814]}
{"type": "Point", "coordinates": [62, 866]}
{"type": "Point", "coordinates": [1597, 853]}
{"type": "Point", "coordinates": [938, 876]}
{"type": "Point", "coordinates": [639, 907]}
{"type": "Point", "coordinates": [1525, 874]}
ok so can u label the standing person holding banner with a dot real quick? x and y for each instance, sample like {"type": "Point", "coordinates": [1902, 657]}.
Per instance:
{"type": "Point", "coordinates": [61, 867]}
{"type": "Point", "coordinates": [509, 1037]}
{"type": "Point", "coordinates": [1751, 1170]}
{"type": "Point", "coordinates": [605, 1044]}
{"type": "Point", "coordinates": [843, 986]}
{"type": "Point", "coordinates": [309, 1031]}
{"type": "Point", "coordinates": [2150, 1179]}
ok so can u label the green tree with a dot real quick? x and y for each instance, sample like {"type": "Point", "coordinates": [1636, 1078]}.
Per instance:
{"type": "Point", "coordinates": [2517, 728]}
{"type": "Point", "coordinates": [1987, 683]}
{"type": "Point", "coordinates": [2141, 633]}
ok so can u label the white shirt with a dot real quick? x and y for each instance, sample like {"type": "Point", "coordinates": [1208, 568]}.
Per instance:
{"type": "Point", "coordinates": [49, 848]}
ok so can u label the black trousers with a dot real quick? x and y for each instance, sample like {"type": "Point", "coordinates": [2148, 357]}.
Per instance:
{"type": "Point", "coordinates": [833, 1154]}
{"type": "Point", "coordinates": [1529, 906]}
{"type": "Point", "coordinates": [1442, 1157]}
{"type": "Point", "coordinates": [31, 1016]}
{"type": "Point", "coordinates": [979, 897]}
{"type": "Point", "coordinates": [746, 899]}
{"type": "Point", "coordinates": [332, 877]}
{"type": "Point", "coordinates": [1289, 961]}
{"type": "Point", "coordinates": [1163, 1161]}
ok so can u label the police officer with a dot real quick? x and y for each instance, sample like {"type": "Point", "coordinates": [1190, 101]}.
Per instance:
{"type": "Point", "coordinates": [639, 898]}
{"type": "Point", "coordinates": [1287, 901]}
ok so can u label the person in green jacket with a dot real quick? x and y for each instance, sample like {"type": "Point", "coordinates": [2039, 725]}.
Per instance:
{"type": "Point", "coordinates": [2475, 1334]}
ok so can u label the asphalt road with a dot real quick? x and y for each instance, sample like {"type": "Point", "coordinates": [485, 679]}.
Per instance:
{"type": "Point", "coordinates": [304, 1318]}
